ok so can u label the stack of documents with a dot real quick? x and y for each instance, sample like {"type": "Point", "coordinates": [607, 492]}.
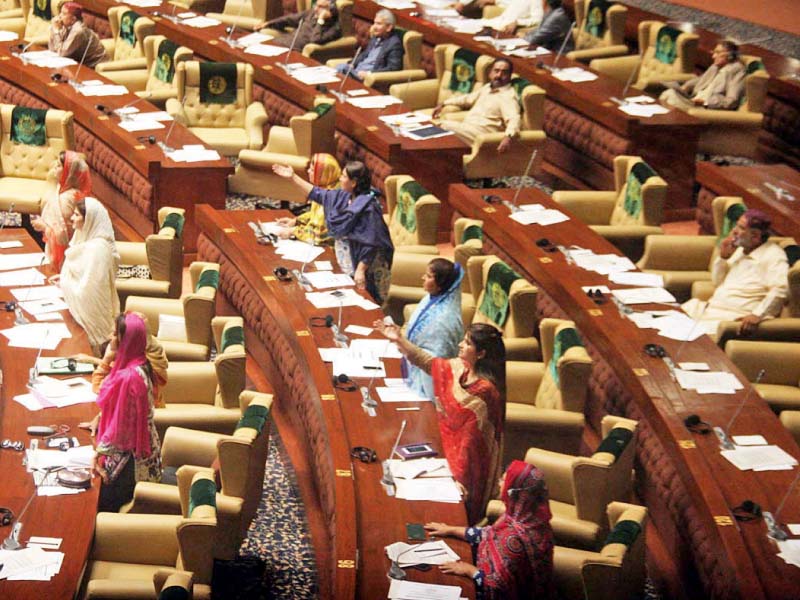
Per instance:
{"type": "Point", "coordinates": [760, 458]}
{"type": "Point", "coordinates": [30, 564]}
{"type": "Point", "coordinates": [672, 324]}
{"type": "Point", "coordinates": [604, 264]}
{"type": "Point", "coordinates": [353, 363]}
{"type": "Point", "coordinates": [708, 382]}
{"type": "Point", "coordinates": [646, 295]}
{"type": "Point", "coordinates": [374, 101]}
{"type": "Point", "coordinates": [37, 335]}
{"type": "Point", "coordinates": [96, 87]}
{"type": "Point", "coordinates": [396, 390]}
{"type": "Point", "coordinates": [790, 552]}
{"type": "Point", "coordinates": [411, 590]}
{"type": "Point", "coordinates": [462, 25]}
{"type": "Point", "coordinates": [46, 59]}
{"type": "Point", "coordinates": [314, 75]}
{"type": "Point", "coordinates": [327, 279]}
{"type": "Point", "coordinates": [427, 553]}
{"type": "Point", "coordinates": [298, 251]}
{"type": "Point", "coordinates": [406, 119]}
{"type": "Point", "coordinates": [193, 153]}
{"type": "Point", "coordinates": [530, 214]}
{"type": "Point", "coordinates": [48, 392]}
{"type": "Point", "coordinates": [574, 75]}
{"type": "Point", "coordinates": [419, 467]}
{"type": "Point", "coordinates": [22, 261]}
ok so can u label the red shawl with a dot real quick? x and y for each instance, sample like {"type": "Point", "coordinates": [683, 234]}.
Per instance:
{"type": "Point", "coordinates": [471, 428]}
{"type": "Point", "coordinates": [516, 553]}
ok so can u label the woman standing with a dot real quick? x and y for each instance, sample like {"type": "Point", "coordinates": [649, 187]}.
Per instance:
{"type": "Point", "coordinates": [514, 557]}
{"type": "Point", "coordinates": [73, 183]}
{"type": "Point", "coordinates": [471, 407]}
{"type": "Point", "coordinates": [89, 272]}
{"type": "Point", "coordinates": [128, 447]}
{"type": "Point", "coordinates": [354, 213]}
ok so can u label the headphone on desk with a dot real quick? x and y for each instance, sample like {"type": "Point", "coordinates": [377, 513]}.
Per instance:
{"type": "Point", "coordinates": [344, 383]}
{"type": "Point", "coordinates": [6, 516]}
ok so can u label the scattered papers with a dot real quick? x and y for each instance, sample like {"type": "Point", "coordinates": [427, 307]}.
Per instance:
{"type": "Point", "coordinates": [749, 440]}
{"type": "Point", "coordinates": [406, 119]}
{"type": "Point", "coordinates": [46, 292]}
{"type": "Point", "coordinates": [29, 564]}
{"type": "Point", "coordinates": [358, 330]}
{"type": "Point", "coordinates": [327, 279]}
{"type": "Point", "coordinates": [45, 305]}
{"type": "Point", "coordinates": [397, 4]}
{"type": "Point", "coordinates": [37, 335]}
{"type": "Point", "coordinates": [379, 348]}
{"type": "Point", "coordinates": [574, 75]}
{"type": "Point", "coordinates": [8, 36]}
{"type": "Point", "coordinates": [411, 590]}
{"type": "Point", "coordinates": [671, 324]}
{"type": "Point", "coordinates": [374, 101]}
{"type": "Point", "coordinates": [438, 489]}
{"type": "Point", "coordinates": [399, 394]}
{"type": "Point", "coordinates": [46, 59]}
{"type": "Point", "coordinates": [462, 25]}
{"type": "Point", "coordinates": [193, 153]}
{"type": "Point", "coordinates": [428, 553]}
{"type": "Point", "coordinates": [57, 393]}
{"type": "Point", "coordinates": [419, 467]}
{"type": "Point", "coordinates": [315, 75]}
{"type": "Point", "coordinates": [298, 251]}
{"type": "Point", "coordinates": [255, 38]}
{"type": "Point", "coordinates": [200, 22]}
{"type": "Point", "coordinates": [539, 216]}
{"type": "Point", "coordinates": [323, 265]}
{"type": "Point", "coordinates": [23, 277]}
{"type": "Point", "coordinates": [710, 382]}
{"type": "Point", "coordinates": [790, 550]}
{"type": "Point", "coordinates": [643, 110]}
{"type": "Point", "coordinates": [140, 125]}
{"type": "Point", "coordinates": [10, 262]}
{"type": "Point", "coordinates": [345, 297]}
{"type": "Point", "coordinates": [604, 264]}
{"type": "Point", "coordinates": [645, 295]}
{"type": "Point", "coordinates": [144, 3]}
{"type": "Point", "coordinates": [109, 89]}
{"type": "Point", "coordinates": [265, 50]}
{"type": "Point", "coordinates": [642, 279]}
{"type": "Point", "coordinates": [760, 458]}
{"type": "Point", "coordinates": [10, 244]}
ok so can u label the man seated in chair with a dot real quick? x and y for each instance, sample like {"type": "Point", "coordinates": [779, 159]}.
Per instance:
{"type": "Point", "coordinates": [71, 38]}
{"type": "Point", "coordinates": [320, 26]}
{"type": "Point", "coordinates": [555, 27]}
{"type": "Point", "coordinates": [720, 87]}
{"type": "Point", "coordinates": [384, 52]}
{"type": "Point", "coordinates": [492, 107]}
{"type": "Point", "coordinates": [749, 275]}
{"type": "Point", "coordinates": [516, 13]}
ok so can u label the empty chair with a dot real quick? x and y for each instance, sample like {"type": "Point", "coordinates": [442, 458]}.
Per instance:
{"type": "Point", "coordinates": [10, 9]}
{"type": "Point", "coordinates": [545, 400]}
{"type": "Point", "coordinates": [157, 84]}
{"type": "Point", "coordinates": [161, 253]}
{"type": "Point", "coordinates": [242, 14]}
{"type": "Point", "coordinates": [32, 23]}
{"type": "Point", "coordinates": [600, 30]}
{"type": "Point", "coordinates": [780, 382]}
{"type": "Point", "coordinates": [126, 46]}
{"type": "Point", "coordinates": [630, 212]}
{"type": "Point", "coordinates": [412, 215]}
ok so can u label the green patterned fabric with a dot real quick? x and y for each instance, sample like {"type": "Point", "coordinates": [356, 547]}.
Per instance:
{"type": "Point", "coordinates": [175, 221]}
{"type": "Point", "coordinates": [254, 417]}
{"type": "Point", "coordinates": [208, 278]}
{"type": "Point", "coordinates": [519, 84]}
{"type": "Point", "coordinates": [42, 9]}
{"type": "Point", "coordinates": [596, 18]}
{"type": "Point", "coordinates": [232, 336]}
{"type": "Point", "coordinates": [407, 197]}
{"type": "Point", "coordinates": [473, 232]}
{"type": "Point", "coordinates": [27, 126]}
{"type": "Point", "coordinates": [666, 44]}
{"type": "Point", "coordinates": [217, 83]}
{"type": "Point", "coordinates": [624, 532]}
{"type": "Point", "coordinates": [322, 109]}
{"type": "Point", "coordinates": [755, 65]}
{"type": "Point", "coordinates": [616, 441]}
{"type": "Point", "coordinates": [640, 172]}
{"type": "Point", "coordinates": [462, 77]}
{"type": "Point", "coordinates": [174, 592]}
{"type": "Point", "coordinates": [202, 493]}
{"type": "Point", "coordinates": [126, 24]}
{"type": "Point", "coordinates": [563, 341]}
{"type": "Point", "coordinates": [497, 292]}
{"type": "Point", "coordinates": [165, 62]}
{"type": "Point", "coordinates": [792, 254]}
{"type": "Point", "coordinates": [732, 215]}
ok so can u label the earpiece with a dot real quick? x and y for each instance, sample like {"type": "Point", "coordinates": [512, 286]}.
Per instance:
{"type": "Point", "coordinates": [6, 516]}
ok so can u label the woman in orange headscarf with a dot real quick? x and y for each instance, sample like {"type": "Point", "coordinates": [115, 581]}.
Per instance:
{"type": "Point", "coordinates": [74, 183]}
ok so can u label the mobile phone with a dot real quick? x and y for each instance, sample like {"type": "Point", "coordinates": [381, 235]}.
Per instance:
{"type": "Point", "coordinates": [415, 531]}
{"type": "Point", "coordinates": [416, 450]}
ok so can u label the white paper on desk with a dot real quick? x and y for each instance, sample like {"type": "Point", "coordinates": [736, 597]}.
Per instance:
{"type": "Point", "coordinates": [56, 490]}
{"type": "Point", "coordinates": [374, 101]}
{"type": "Point", "coordinates": [354, 365]}
{"type": "Point", "coordinates": [461, 25]}
{"type": "Point", "coordinates": [349, 297]}
{"type": "Point", "coordinates": [411, 590]}
{"type": "Point", "coordinates": [37, 335]}
{"type": "Point", "coordinates": [642, 279]}
{"type": "Point", "coordinates": [548, 216]}
{"type": "Point", "coordinates": [358, 330]}
{"type": "Point", "coordinates": [254, 38]}
{"type": "Point", "coordinates": [694, 366]}
{"type": "Point", "coordinates": [525, 53]}
{"type": "Point", "coordinates": [30, 402]}
{"type": "Point", "coordinates": [53, 542]}
{"type": "Point", "coordinates": [397, 4]}
{"type": "Point", "coordinates": [44, 292]}
{"type": "Point", "coordinates": [678, 326]}
{"type": "Point", "coordinates": [790, 551]}
{"type": "Point", "coordinates": [54, 62]}
{"type": "Point", "coordinates": [157, 115]}
{"type": "Point", "coordinates": [405, 119]}
{"type": "Point", "coordinates": [8, 36]}
{"type": "Point", "coordinates": [643, 110]}
{"type": "Point", "coordinates": [19, 561]}
{"type": "Point", "coordinates": [366, 304]}
{"type": "Point", "coordinates": [435, 552]}
{"type": "Point", "coordinates": [51, 316]}
{"type": "Point", "coordinates": [298, 251]}
{"type": "Point", "coordinates": [758, 457]}
{"type": "Point", "coordinates": [749, 440]}
{"type": "Point", "coordinates": [187, 154]}
{"type": "Point", "coordinates": [442, 12]}
{"type": "Point", "coordinates": [419, 467]}
{"type": "Point", "coordinates": [379, 348]}
{"type": "Point", "coordinates": [711, 382]}
{"type": "Point", "coordinates": [323, 265]}
{"type": "Point", "coordinates": [44, 305]}
{"type": "Point", "coordinates": [103, 90]}
{"type": "Point", "coordinates": [437, 489]}
{"type": "Point", "coordinates": [315, 75]}
{"type": "Point", "coordinates": [140, 125]}
{"type": "Point", "coordinates": [43, 572]}
{"type": "Point", "coordinates": [322, 280]}
{"type": "Point", "coordinates": [270, 227]}
{"type": "Point", "coordinates": [603, 264]}
{"type": "Point", "coordinates": [201, 22]}
{"type": "Point", "coordinates": [10, 244]}
{"type": "Point", "coordinates": [144, 3]}
{"type": "Point", "coordinates": [574, 75]}
{"type": "Point", "coordinates": [640, 99]}
{"type": "Point", "coordinates": [356, 93]}
{"type": "Point", "coordinates": [645, 295]}
{"type": "Point", "coordinates": [399, 394]}
{"type": "Point", "coordinates": [265, 50]}
{"type": "Point", "coordinates": [10, 262]}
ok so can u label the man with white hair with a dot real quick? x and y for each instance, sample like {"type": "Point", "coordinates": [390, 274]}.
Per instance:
{"type": "Point", "coordinates": [384, 52]}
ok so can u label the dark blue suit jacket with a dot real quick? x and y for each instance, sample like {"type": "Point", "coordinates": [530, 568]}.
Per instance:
{"type": "Point", "coordinates": [390, 57]}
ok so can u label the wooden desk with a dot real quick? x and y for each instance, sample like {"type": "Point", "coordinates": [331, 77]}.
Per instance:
{"type": "Point", "coordinates": [779, 139]}
{"type": "Point", "coordinates": [750, 184]}
{"type": "Point", "coordinates": [351, 517]}
{"type": "Point", "coordinates": [70, 517]}
{"type": "Point", "coordinates": [687, 485]}
{"type": "Point", "coordinates": [132, 178]}
{"type": "Point", "coordinates": [585, 130]}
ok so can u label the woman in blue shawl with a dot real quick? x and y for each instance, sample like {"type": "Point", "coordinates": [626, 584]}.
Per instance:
{"type": "Point", "coordinates": [354, 213]}
{"type": "Point", "coordinates": [436, 323]}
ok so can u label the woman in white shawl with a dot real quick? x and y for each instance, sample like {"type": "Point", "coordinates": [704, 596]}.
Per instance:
{"type": "Point", "coordinates": [89, 272]}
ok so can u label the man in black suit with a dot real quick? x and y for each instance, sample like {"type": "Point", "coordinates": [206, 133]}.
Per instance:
{"type": "Point", "coordinates": [555, 28]}
{"type": "Point", "coordinates": [384, 52]}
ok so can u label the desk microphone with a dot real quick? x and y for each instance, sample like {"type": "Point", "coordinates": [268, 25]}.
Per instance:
{"type": "Point", "coordinates": [340, 338]}
{"type": "Point", "coordinates": [774, 530]}
{"type": "Point", "coordinates": [167, 149]}
{"type": "Point", "coordinates": [388, 478]}
{"type": "Point", "coordinates": [74, 81]}
{"type": "Point", "coordinates": [12, 541]}
{"type": "Point", "coordinates": [19, 318]}
{"type": "Point", "coordinates": [340, 95]}
{"type": "Point", "coordinates": [299, 274]}
{"type": "Point", "coordinates": [285, 65]}
{"type": "Point", "coordinates": [232, 28]}
{"type": "Point", "coordinates": [33, 374]}
{"type": "Point", "coordinates": [722, 434]}
{"type": "Point", "coordinates": [628, 83]}
{"type": "Point", "coordinates": [120, 112]}
{"type": "Point", "coordinates": [554, 68]}
{"type": "Point", "coordinates": [5, 216]}
{"type": "Point", "coordinates": [367, 401]}
{"type": "Point", "coordinates": [23, 48]}
{"type": "Point", "coordinates": [512, 206]}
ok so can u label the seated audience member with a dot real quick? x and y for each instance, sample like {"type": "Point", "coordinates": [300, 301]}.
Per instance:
{"type": "Point", "coordinates": [552, 31]}
{"type": "Point", "coordinates": [516, 13]}
{"type": "Point", "coordinates": [514, 557]}
{"type": "Point", "coordinates": [720, 87]}
{"type": "Point", "coordinates": [492, 107]}
{"type": "Point", "coordinates": [71, 38]}
{"type": "Point", "coordinates": [320, 26]}
{"type": "Point", "coordinates": [750, 275]}
{"type": "Point", "coordinates": [384, 52]}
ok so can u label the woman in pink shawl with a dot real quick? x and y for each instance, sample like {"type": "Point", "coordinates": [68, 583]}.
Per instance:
{"type": "Point", "coordinates": [128, 448]}
{"type": "Point", "coordinates": [514, 557]}
{"type": "Point", "coordinates": [74, 183]}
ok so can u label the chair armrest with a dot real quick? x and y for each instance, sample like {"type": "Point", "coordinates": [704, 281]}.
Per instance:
{"type": "Point", "coordinates": [417, 94]}
{"type": "Point", "coordinates": [254, 119]}
{"type": "Point", "coordinates": [127, 64]}
{"type": "Point", "coordinates": [154, 499]}
{"type": "Point", "coordinates": [388, 78]}
{"type": "Point", "coordinates": [522, 348]}
{"type": "Point", "coordinates": [694, 254]}
{"type": "Point", "coordinates": [656, 83]}
{"type": "Point", "coordinates": [183, 446]}
{"type": "Point", "coordinates": [158, 97]}
{"type": "Point", "coordinates": [138, 539]}
{"type": "Point", "coordinates": [132, 253]}
{"type": "Point", "coordinates": [593, 208]}
{"type": "Point", "coordinates": [620, 67]}
{"type": "Point", "coordinates": [733, 118]}
{"type": "Point", "coordinates": [786, 329]}
{"type": "Point", "coordinates": [334, 62]}
{"type": "Point", "coordinates": [264, 160]}
{"type": "Point", "coordinates": [175, 110]}
{"type": "Point", "coordinates": [565, 422]}
{"type": "Point", "coordinates": [601, 52]}
{"type": "Point", "coordinates": [341, 48]}
{"type": "Point", "coordinates": [702, 290]}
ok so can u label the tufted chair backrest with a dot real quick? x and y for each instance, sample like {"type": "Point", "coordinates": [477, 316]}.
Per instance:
{"type": "Point", "coordinates": [443, 58]}
{"type": "Point", "coordinates": [614, 33]}
{"type": "Point", "coordinates": [653, 68]}
{"type": "Point", "coordinates": [200, 114]}
{"type": "Point", "coordinates": [151, 44]}
{"type": "Point", "coordinates": [653, 195]}
{"type": "Point", "coordinates": [142, 27]}
{"type": "Point", "coordinates": [423, 212]}
{"type": "Point", "coordinates": [230, 361]}
{"type": "Point", "coordinates": [34, 162]}
{"type": "Point", "coordinates": [36, 27]}
{"type": "Point", "coordinates": [521, 320]}
{"type": "Point", "coordinates": [567, 391]}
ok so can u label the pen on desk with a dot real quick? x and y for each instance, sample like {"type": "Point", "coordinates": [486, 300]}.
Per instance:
{"type": "Point", "coordinates": [371, 368]}
{"type": "Point", "coordinates": [407, 408]}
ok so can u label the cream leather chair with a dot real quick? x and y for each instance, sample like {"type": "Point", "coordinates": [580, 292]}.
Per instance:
{"type": "Point", "coordinates": [735, 132]}
{"type": "Point", "coordinates": [162, 252]}
{"type": "Point", "coordinates": [127, 61]}
{"type": "Point", "coordinates": [345, 46]}
{"type": "Point", "coordinates": [520, 320]}
{"type": "Point", "coordinates": [791, 420]}
{"type": "Point", "coordinates": [203, 395]}
{"type": "Point", "coordinates": [239, 459]}
{"type": "Point", "coordinates": [157, 82]}
{"type": "Point", "coordinates": [226, 127]}
{"type": "Point", "coordinates": [412, 215]}
{"type": "Point", "coordinates": [308, 134]}
{"type": "Point", "coordinates": [10, 9]}
{"type": "Point", "coordinates": [200, 6]}
{"type": "Point", "coordinates": [197, 309]}
{"type": "Point", "coordinates": [428, 93]}
{"type": "Point", "coordinates": [174, 586]}
{"type": "Point", "coordinates": [130, 550]}
{"type": "Point", "coordinates": [624, 221]}
{"type": "Point", "coordinates": [29, 24]}
{"type": "Point", "coordinates": [617, 571]}
{"type": "Point", "coordinates": [484, 161]}
{"type": "Point", "coordinates": [24, 167]}
{"type": "Point", "coordinates": [582, 487]}
{"type": "Point", "coordinates": [653, 67]}
{"type": "Point", "coordinates": [780, 384]}
{"type": "Point", "coordinates": [545, 400]}
{"type": "Point", "coordinates": [598, 35]}
{"type": "Point", "coordinates": [242, 14]}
